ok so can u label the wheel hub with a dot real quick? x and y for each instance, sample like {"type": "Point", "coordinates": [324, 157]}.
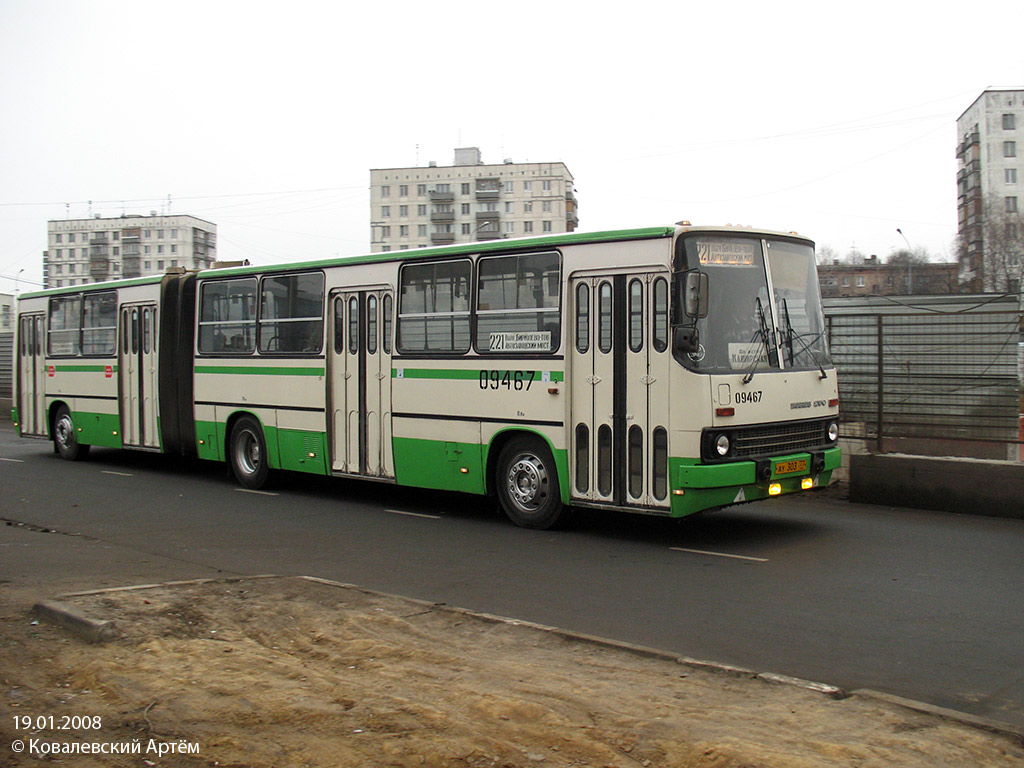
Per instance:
{"type": "Point", "coordinates": [527, 480]}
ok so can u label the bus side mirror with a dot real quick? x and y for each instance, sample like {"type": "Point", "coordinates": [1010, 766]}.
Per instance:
{"type": "Point", "coordinates": [695, 294]}
{"type": "Point", "coordinates": [685, 340]}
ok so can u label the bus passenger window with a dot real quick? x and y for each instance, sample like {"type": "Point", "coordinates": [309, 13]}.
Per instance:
{"type": "Point", "coordinates": [660, 315]}
{"type": "Point", "coordinates": [518, 303]}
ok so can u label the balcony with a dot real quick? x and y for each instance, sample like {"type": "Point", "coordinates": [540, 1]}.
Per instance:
{"type": "Point", "coordinates": [439, 196]}
{"type": "Point", "coordinates": [99, 267]}
{"type": "Point", "coordinates": [488, 216]}
{"type": "Point", "coordinates": [130, 267]}
{"type": "Point", "coordinates": [98, 238]}
{"type": "Point", "coordinates": [131, 235]}
{"type": "Point", "coordinates": [442, 238]}
{"type": "Point", "coordinates": [442, 216]}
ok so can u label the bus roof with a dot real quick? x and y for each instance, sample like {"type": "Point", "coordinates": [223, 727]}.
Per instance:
{"type": "Point", "coordinates": [476, 247]}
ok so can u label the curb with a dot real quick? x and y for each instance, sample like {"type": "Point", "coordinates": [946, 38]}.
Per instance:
{"type": "Point", "coordinates": [69, 617]}
{"type": "Point", "coordinates": [964, 718]}
{"type": "Point", "coordinates": [100, 631]}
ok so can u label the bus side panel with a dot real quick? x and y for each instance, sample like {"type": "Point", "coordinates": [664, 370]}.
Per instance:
{"type": "Point", "coordinates": [454, 463]}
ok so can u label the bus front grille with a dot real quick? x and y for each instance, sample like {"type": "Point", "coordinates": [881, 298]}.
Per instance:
{"type": "Point", "coordinates": [779, 439]}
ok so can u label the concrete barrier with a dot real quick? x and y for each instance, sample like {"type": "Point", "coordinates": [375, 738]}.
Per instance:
{"type": "Point", "coordinates": [969, 486]}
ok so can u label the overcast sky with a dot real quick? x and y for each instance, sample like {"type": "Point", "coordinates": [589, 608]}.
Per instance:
{"type": "Point", "coordinates": [834, 120]}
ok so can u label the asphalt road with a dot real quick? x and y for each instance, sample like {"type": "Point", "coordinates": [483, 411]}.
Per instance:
{"type": "Point", "coordinates": [920, 604]}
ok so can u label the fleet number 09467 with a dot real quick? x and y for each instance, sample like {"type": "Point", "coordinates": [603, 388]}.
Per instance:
{"type": "Point", "coordinates": [748, 397]}
{"type": "Point", "coordinates": [510, 380]}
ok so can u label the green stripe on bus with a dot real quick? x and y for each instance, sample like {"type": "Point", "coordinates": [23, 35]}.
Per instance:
{"type": "Point", "coordinates": [244, 370]}
{"type": "Point", "coordinates": [85, 368]}
{"type": "Point", "coordinates": [471, 374]}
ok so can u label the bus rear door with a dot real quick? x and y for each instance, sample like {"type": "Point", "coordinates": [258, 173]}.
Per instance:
{"type": "Point", "coordinates": [32, 375]}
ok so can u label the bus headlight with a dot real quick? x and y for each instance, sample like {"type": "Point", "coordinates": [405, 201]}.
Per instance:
{"type": "Point", "coordinates": [833, 431]}
{"type": "Point", "coordinates": [722, 445]}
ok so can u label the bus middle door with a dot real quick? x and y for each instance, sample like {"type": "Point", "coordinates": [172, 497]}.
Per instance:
{"type": "Point", "coordinates": [137, 367]}
{"type": "Point", "coordinates": [360, 383]}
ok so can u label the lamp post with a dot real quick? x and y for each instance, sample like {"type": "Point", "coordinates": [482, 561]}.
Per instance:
{"type": "Point", "coordinates": [910, 262]}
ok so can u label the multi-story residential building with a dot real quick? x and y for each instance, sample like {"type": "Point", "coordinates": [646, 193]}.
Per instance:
{"type": "Point", "coordinates": [92, 250]}
{"type": "Point", "coordinates": [990, 183]}
{"type": "Point", "coordinates": [467, 201]}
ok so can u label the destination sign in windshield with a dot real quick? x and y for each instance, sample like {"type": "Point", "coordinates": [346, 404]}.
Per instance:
{"type": "Point", "coordinates": [727, 253]}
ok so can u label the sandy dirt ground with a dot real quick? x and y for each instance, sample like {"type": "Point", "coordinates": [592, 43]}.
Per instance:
{"type": "Point", "coordinates": [283, 672]}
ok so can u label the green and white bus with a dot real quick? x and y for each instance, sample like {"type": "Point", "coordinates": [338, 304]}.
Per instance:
{"type": "Point", "coordinates": [665, 371]}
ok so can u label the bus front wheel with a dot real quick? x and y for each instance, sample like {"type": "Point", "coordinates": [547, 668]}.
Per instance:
{"type": "Point", "coordinates": [527, 483]}
{"type": "Point", "coordinates": [248, 453]}
{"type": "Point", "coordinates": [65, 437]}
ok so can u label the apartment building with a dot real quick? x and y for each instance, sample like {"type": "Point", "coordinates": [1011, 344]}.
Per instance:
{"type": "Point", "coordinates": [81, 251]}
{"type": "Point", "coordinates": [990, 186]}
{"type": "Point", "coordinates": [468, 201]}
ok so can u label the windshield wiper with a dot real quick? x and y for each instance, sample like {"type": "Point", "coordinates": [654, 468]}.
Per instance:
{"type": "Point", "coordinates": [763, 332]}
{"type": "Point", "coordinates": [789, 337]}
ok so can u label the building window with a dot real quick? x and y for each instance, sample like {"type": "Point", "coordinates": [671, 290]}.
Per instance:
{"type": "Point", "coordinates": [421, 189]}
{"type": "Point", "coordinates": [528, 206]}
{"type": "Point", "coordinates": [1011, 175]}
{"type": "Point", "coordinates": [1009, 122]}
{"type": "Point", "coordinates": [547, 226]}
{"type": "Point", "coordinates": [403, 230]}
{"type": "Point", "coordinates": [421, 210]}
{"type": "Point", "coordinates": [1011, 205]}
{"type": "Point", "coordinates": [1009, 149]}
{"type": "Point", "coordinates": [403, 190]}
{"type": "Point", "coordinates": [527, 226]}
{"type": "Point", "coordinates": [421, 230]}
{"type": "Point", "coordinates": [860, 281]}
{"type": "Point", "coordinates": [385, 191]}
{"type": "Point", "coordinates": [466, 229]}
{"type": "Point", "coordinates": [465, 189]}
{"type": "Point", "coordinates": [465, 209]}
{"type": "Point", "coordinates": [403, 211]}
{"type": "Point", "coordinates": [385, 210]}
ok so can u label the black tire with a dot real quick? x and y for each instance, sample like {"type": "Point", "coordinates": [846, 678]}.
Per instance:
{"type": "Point", "coordinates": [527, 483]}
{"type": "Point", "coordinates": [247, 453]}
{"type": "Point", "coordinates": [65, 437]}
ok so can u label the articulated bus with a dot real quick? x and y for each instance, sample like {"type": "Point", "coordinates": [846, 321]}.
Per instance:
{"type": "Point", "coordinates": [664, 371]}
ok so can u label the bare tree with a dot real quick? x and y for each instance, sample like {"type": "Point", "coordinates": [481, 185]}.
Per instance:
{"type": "Point", "coordinates": [1002, 241]}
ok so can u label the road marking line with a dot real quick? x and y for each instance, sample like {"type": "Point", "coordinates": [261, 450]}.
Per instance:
{"type": "Point", "coordinates": [261, 493]}
{"type": "Point", "coordinates": [412, 514]}
{"type": "Point", "coordinates": [720, 554]}
{"type": "Point", "coordinates": [13, 461]}
{"type": "Point", "coordinates": [119, 474]}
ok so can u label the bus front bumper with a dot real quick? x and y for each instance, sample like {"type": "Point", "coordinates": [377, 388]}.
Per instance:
{"type": "Point", "coordinates": [697, 487]}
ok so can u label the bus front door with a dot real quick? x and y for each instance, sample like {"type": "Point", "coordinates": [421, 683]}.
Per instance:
{"type": "Point", "coordinates": [620, 364]}
{"type": "Point", "coordinates": [137, 372]}
{"type": "Point", "coordinates": [32, 375]}
{"type": "Point", "coordinates": [360, 383]}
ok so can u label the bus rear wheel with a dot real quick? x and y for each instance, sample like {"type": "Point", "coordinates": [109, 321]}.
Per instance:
{"type": "Point", "coordinates": [65, 437]}
{"type": "Point", "coordinates": [527, 484]}
{"type": "Point", "coordinates": [247, 452]}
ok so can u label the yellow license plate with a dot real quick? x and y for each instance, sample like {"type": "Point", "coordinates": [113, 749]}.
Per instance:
{"type": "Point", "coordinates": [789, 467]}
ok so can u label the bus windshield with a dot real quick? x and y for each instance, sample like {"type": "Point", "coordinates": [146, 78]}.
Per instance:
{"type": "Point", "coordinates": [764, 305]}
